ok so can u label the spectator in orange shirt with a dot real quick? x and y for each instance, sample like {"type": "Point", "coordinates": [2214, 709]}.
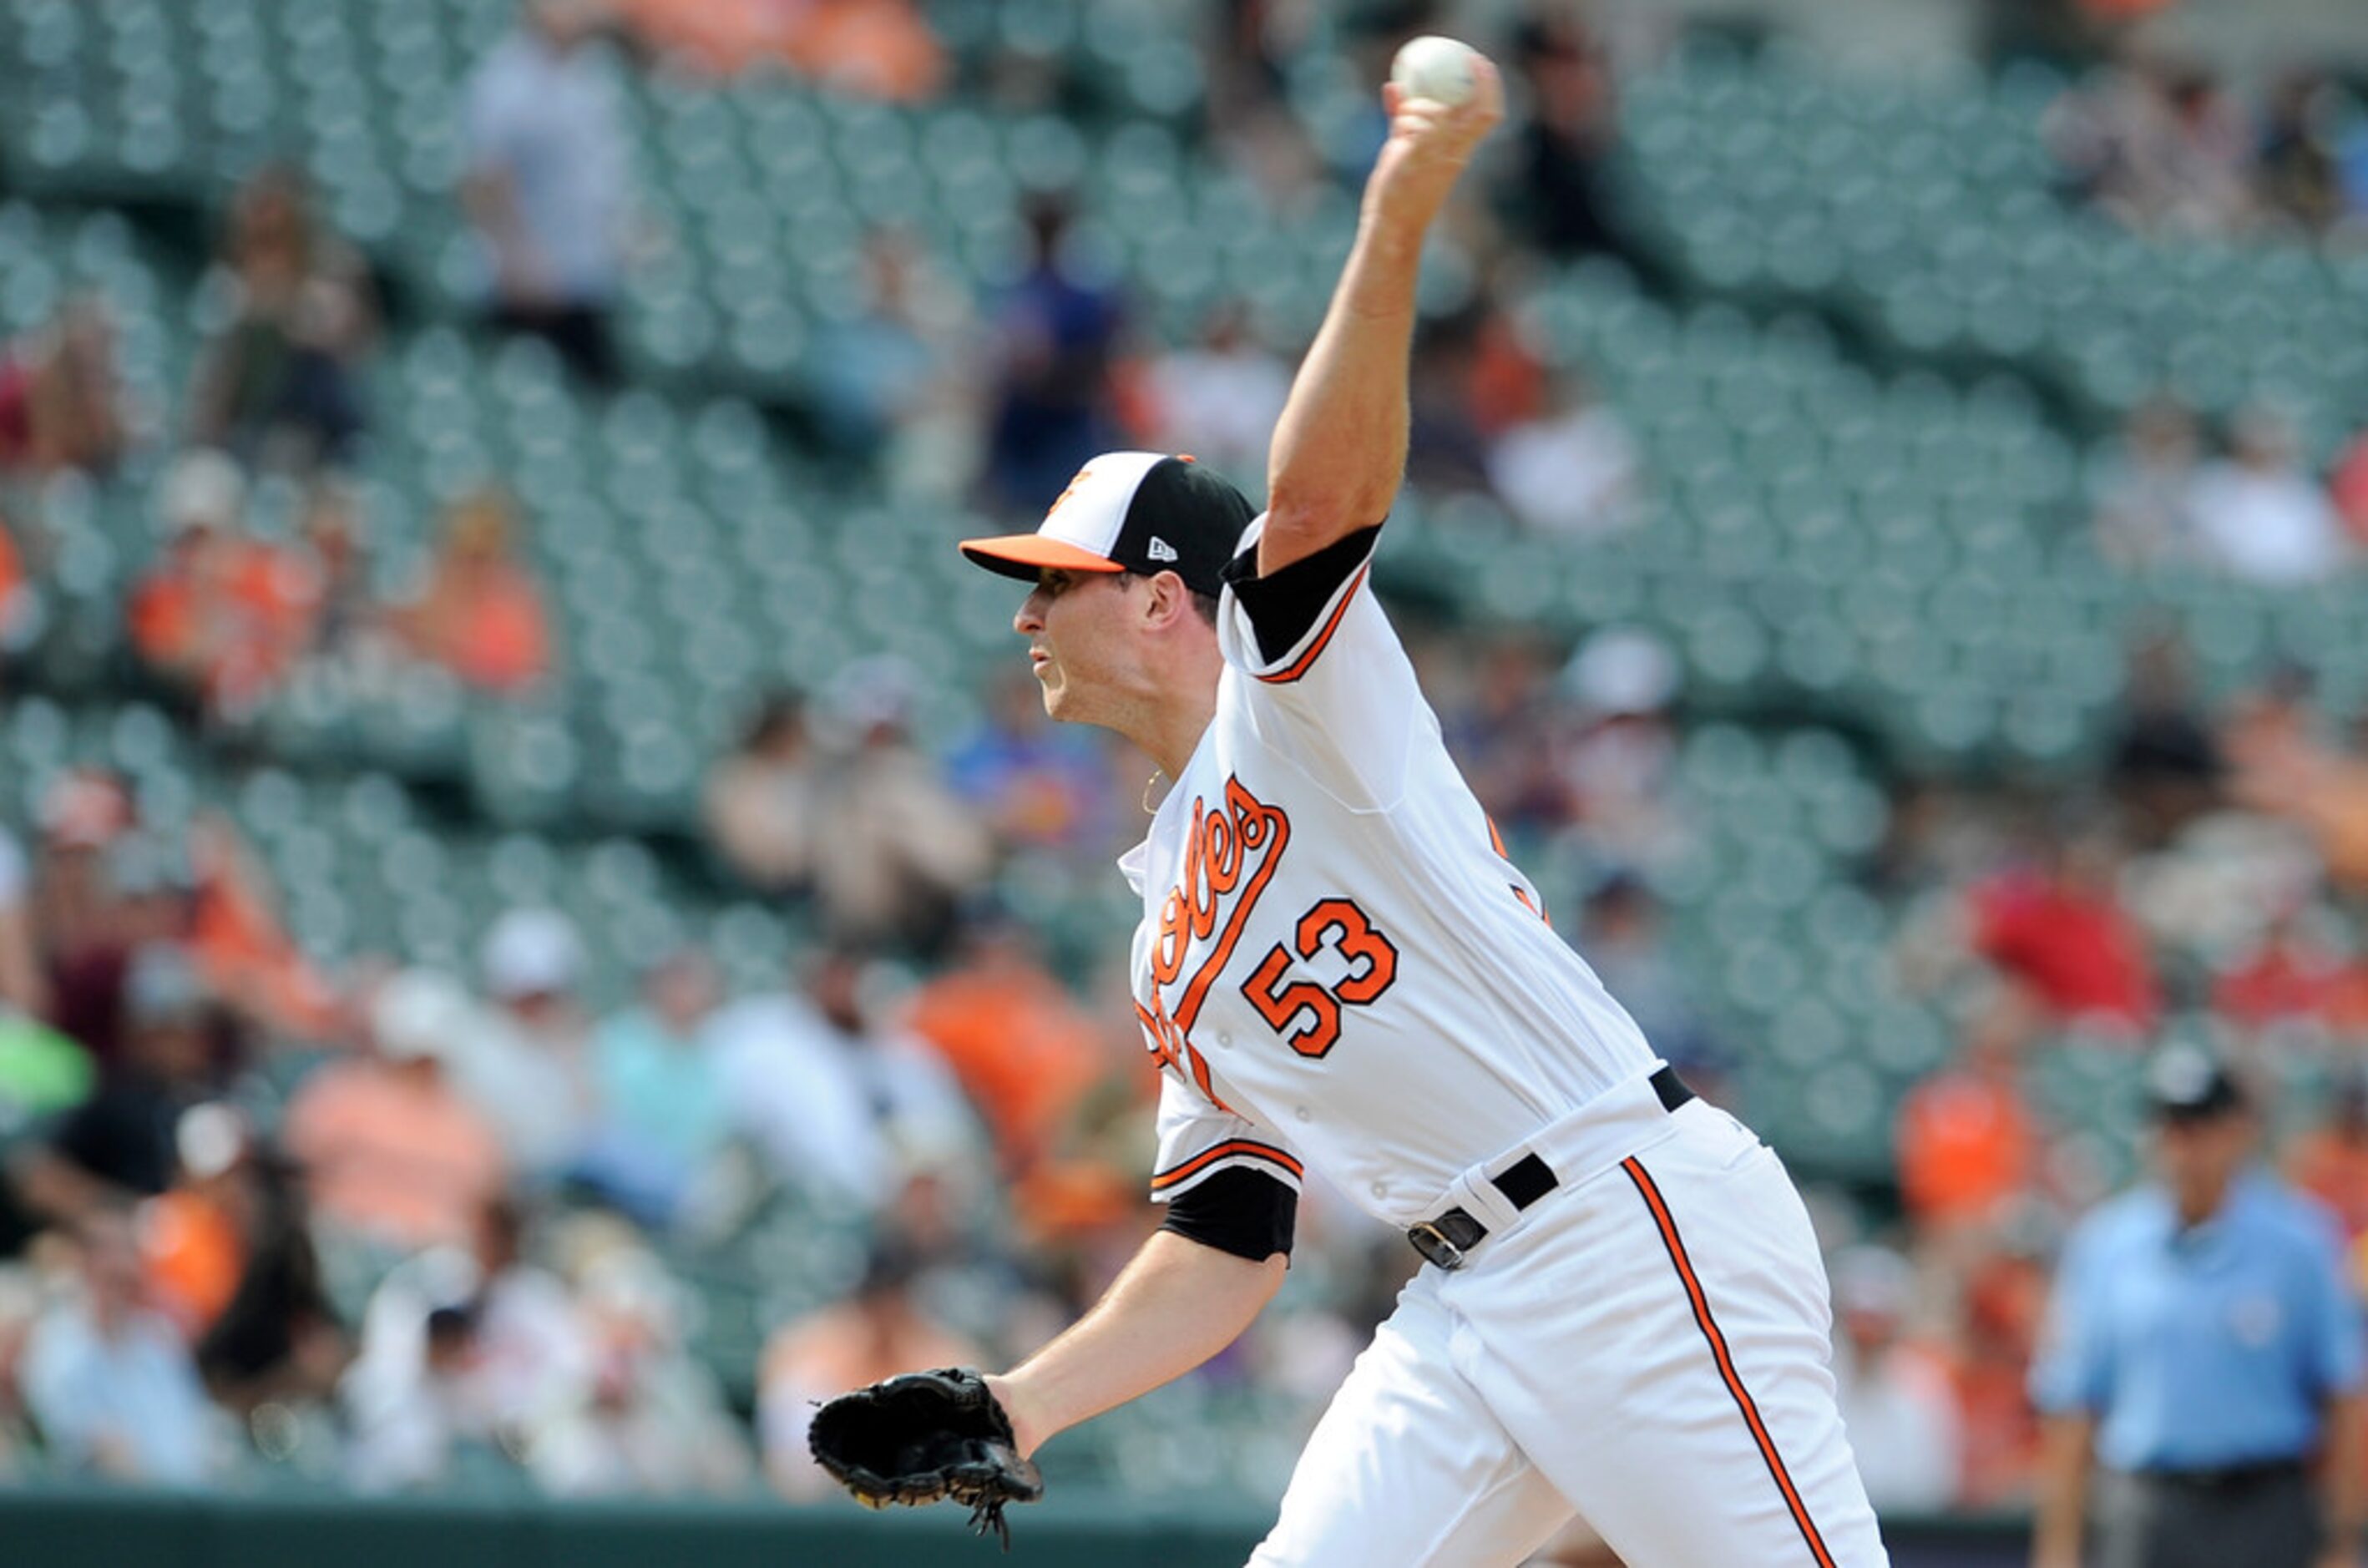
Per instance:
{"type": "Point", "coordinates": [481, 614]}
{"type": "Point", "coordinates": [1967, 1148]}
{"type": "Point", "coordinates": [1023, 1050]}
{"type": "Point", "coordinates": [389, 1150]}
{"type": "Point", "coordinates": [879, 48]}
{"type": "Point", "coordinates": [221, 616]}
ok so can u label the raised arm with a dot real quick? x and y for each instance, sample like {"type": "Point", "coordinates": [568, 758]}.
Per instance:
{"type": "Point", "coordinates": [1339, 449]}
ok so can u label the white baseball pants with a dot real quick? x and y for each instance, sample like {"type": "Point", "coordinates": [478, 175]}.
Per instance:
{"type": "Point", "coordinates": [1648, 1347]}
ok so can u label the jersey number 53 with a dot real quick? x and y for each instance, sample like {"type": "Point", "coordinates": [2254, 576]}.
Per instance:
{"type": "Point", "coordinates": [1305, 1014]}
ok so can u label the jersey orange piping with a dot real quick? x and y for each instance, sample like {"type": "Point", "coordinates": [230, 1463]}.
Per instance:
{"type": "Point", "coordinates": [1332, 623]}
{"type": "Point", "coordinates": [1238, 1148]}
{"type": "Point", "coordinates": [1710, 1329]}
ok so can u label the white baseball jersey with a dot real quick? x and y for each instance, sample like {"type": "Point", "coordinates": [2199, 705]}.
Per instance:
{"type": "Point", "coordinates": [1336, 964]}
{"type": "Point", "coordinates": [1338, 968]}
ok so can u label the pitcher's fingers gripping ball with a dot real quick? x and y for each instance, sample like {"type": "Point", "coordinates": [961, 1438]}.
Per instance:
{"type": "Point", "coordinates": [926, 1438]}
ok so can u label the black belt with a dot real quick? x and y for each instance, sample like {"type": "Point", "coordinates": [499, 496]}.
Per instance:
{"type": "Point", "coordinates": [2226, 1478]}
{"type": "Point", "coordinates": [1444, 1239]}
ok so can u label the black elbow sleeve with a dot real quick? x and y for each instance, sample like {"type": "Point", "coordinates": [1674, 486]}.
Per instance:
{"type": "Point", "coordinates": [1245, 1213]}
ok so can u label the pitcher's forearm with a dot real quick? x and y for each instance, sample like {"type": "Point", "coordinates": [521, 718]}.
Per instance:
{"type": "Point", "coordinates": [1177, 1304]}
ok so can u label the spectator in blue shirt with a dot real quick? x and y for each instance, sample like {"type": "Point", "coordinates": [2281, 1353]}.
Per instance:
{"type": "Point", "coordinates": [2203, 1350]}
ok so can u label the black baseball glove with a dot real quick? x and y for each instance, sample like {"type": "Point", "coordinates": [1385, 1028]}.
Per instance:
{"type": "Point", "coordinates": [922, 1438]}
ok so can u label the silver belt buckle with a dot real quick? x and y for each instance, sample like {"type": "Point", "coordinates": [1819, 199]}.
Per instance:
{"type": "Point", "coordinates": [1432, 1243]}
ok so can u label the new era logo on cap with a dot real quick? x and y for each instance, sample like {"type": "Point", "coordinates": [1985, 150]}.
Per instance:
{"type": "Point", "coordinates": [1143, 512]}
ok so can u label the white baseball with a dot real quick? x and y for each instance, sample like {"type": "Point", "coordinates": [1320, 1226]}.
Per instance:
{"type": "Point", "coordinates": [1433, 67]}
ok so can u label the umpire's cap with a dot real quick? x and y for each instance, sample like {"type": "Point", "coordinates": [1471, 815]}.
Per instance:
{"type": "Point", "coordinates": [2187, 1084]}
{"type": "Point", "coordinates": [1140, 512]}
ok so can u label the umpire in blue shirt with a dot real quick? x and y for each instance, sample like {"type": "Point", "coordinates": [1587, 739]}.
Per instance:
{"type": "Point", "coordinates": [2203, 1357]}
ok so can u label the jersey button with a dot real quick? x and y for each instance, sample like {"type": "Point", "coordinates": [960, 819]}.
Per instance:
{"type": "Point", "coordinates": [1224, 1039]}
{"type": "Point", "coordinates": [1305, 1114]}
{"type": "Point", "coordinates": [1381, 1190]}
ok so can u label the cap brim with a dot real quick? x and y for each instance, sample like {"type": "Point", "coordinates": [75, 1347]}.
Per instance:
{"type": "Point", "coordinates": [1024, 555]}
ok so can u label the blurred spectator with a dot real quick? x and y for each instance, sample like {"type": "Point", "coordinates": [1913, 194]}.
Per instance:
{"type": "Point", "coordinates": [278, 1339]}
{"type": "Point", "coordinates": [1057, 331]}
{"type": "Point", "coordinates": [108, 1379]}
{"type": "Point", "coordinates": [121, 1145]}
{"type": "Point", "coordinates": [662, 1118]}
{"type": "Point", "coordinates": [1446, 450]}
{"type": "Point", "coordinates": [2001, 1302]}
{"type": "Point", "coordinates": [242, 948]}
{"type": "Point", "coordinates": [24, 989]}
{"type": "Point", "coordinates": [62, 407]}
{"type": "Point", "coordinates": [20, 1307]}
{"type": "Point", "coordinates": [1571, 470]}
{"type": "Point", "coordinates": [2156, 146]}
{"type": "Point", "coordinates": [1617, 762]}
{"type": "Point", "coordinates": [2289, 975]}
{"type": "Point", "coordinates": [1022, 1048]}
{"type": "Point", "coordinates": [548, 167]}
{"type": "Point", "coordinates": [1968, 1147]}
{"type": "Point", "coordinates": [391, 1152]}
{"type": "Point", "coordinates": [2165, 766]}
{"type": "Point", "coordinates": [427, 1426]}
{"type": "Point", "coordinates": [2263, 517]}
{"type": "Point", "coordinates": [2204, 1348]}
{"type": "Point", "coordinates": [279, 383]}
{"type": "Point", "coordinates": [2143, 486]}
{"type": "Point", "coordinates": [885, 377]}
{"type": "Point", "coordinates": [526, 1062]}
{"type": "Point", "coordinates": [1220, 398]}
{"type": "Point", "coordinates": [2056, 925]}
{"type": "Point", "coordinates": [86, 924]}
{"type": "Point", "coordinates": [654, 1422]}
{"type": "Point", "coordinates": [895, 850]}
{"type": "Point", "coordinates": [1039, 785]}
{"type": "Point", "coordinates": [1558, 195]}
{"type": "Point", "coordinates": [1502, 729]}
{"type": "Point", "coordinates": [480, 613]}
{"type": "Point", "coordinates": [877, 48]}
{"type": "Point", "coordinates": [2298, 176]}
{"type": "Point", "coordinates": [876, 1332]}
{"type": "Point", "coordinates": [761, 800]}
{"type": "Point", "coordinates": [838, 1104]}
{"type": "Point", "coordinates": [23, 614]}
{"type": "Point", "coordinates": [1619, 932]}
{"type": "Point", "coordinates": [2330, 1161]}
{"type": "Point", "coordinates": [2282, 765]}
{"type": "Point", "coordinates": [466, 1355]}
{"type": "Point", "coordinates": [2347, 489]}
{"type": "Point", "coordinates": [220, 616]}
{"type": "Point", "coordinates": [343, 614]}
{"type": "Point", "coordinates": [1896, 1399]}
{"type": "Point", "coordinates": [192, 1235]}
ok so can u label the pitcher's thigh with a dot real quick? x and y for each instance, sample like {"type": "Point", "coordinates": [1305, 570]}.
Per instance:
{"type": "Point", "coordinates": [1409, 1468]}
{"type": "Point", "coordinates": [1697, 1422]}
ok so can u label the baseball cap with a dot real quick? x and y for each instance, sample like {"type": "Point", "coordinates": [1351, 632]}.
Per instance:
{"type": "Point", "coordinates": [2185, 1083]}
{"type": "Point", "coordinates": [531, 952]}
{"type": "Point", "coordinates": [418, 1013]}
{"type": "Point", "coordinates": [1130, 512]}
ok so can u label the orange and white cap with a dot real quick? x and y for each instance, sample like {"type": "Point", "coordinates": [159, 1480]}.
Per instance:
{"type": "Point", "coordinates": [1141, 512]}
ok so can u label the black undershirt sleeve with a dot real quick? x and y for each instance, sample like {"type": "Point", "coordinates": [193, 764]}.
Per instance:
{"type": "Point", "coordinates": [1284, 607]}
{"type": "Point", "coordinates": [1245, 1213]}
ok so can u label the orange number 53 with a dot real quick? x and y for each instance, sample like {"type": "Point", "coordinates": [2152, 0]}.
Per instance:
{"type": "Point", "coordinates": [1333, 921]}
